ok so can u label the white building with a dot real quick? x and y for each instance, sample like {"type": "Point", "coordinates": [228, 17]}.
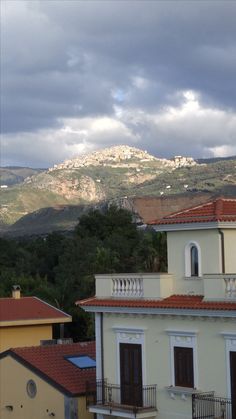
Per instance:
{"type": "Point", "coordinates": [164, 339]}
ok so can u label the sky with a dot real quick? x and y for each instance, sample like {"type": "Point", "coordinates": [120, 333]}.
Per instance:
{"type": "Point", "coordinates": [77, 76]}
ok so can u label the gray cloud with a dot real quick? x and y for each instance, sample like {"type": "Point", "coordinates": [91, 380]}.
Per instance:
{"type": "Point", "coordinates": [76, 60]}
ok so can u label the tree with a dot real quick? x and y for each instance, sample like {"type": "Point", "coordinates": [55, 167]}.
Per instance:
{"type": "Point", "coordinates": [61, 269]}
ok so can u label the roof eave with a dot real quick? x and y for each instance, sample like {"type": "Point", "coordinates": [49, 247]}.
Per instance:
{"type": "Point", "coordinates": [32, 322]}
{"type": "Point", "coordinates": [161, 311]}
{"type": "Point", "coordinates": [195, 226]}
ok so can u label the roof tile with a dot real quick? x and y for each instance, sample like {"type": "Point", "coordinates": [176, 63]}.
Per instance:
{"type": "Point", "coordinates": [187, 302]}
{"type": "Point", "coordinates": [50, 361]}
{"type": "Point", "coordinates": [28, 308]}
{"type": "Point", "coordinates": [219, 210]}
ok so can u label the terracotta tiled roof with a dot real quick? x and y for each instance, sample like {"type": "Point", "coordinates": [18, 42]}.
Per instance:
{"type": "Point", "coordinates": [29, 308]}
{"type": "Point", "coordinates": [186, 302]}
{"type": "Point", "coordinates": [219, 210]}
{"type": "Point", "coordinates": [50, 363]}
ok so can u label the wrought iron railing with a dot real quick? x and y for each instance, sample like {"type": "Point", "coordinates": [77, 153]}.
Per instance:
{"type": "Point", "coordinates": [209, 406]}
{"type": "Point", "coordinates": [102, 393]}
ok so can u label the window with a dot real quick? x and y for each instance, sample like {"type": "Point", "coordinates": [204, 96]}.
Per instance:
{"type": "Point", "coordinates": [192, 260]}
{"type": "Point", "coordinates": [183, 357]}
{"type": "Point", "coordinates": [83, 361]}
{"type": "Point", "coordinates": [183, 367]}
{"type": "Point", "coordinates": [31, 389]}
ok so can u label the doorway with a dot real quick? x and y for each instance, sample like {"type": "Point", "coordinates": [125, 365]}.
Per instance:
{"type": "Point", "coordinates": [131, 374]}
{"type": "Point", "coordinates": [232, 356]}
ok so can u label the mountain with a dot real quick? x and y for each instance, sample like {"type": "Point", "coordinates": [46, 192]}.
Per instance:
{"type": "Point", "coordinates": [113, 174]}
{"type": "Point", "coordinates": [12, 175]}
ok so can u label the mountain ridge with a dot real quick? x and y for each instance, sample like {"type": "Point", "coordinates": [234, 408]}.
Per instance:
{"type": "Point", "coordinates": [113, 173]}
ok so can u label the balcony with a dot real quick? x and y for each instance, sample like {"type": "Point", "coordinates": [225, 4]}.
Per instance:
{"type": "Point", "coordinates": [220, 287]}
{"type": "Point", "coordinates": [209, 406]}
{"type": "Point", "coordinates": [134, 285]}
{"type": "Point", "coordinates": [105, 398]}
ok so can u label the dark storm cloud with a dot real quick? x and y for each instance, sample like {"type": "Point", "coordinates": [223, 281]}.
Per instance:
{"type": "Point", "coordinates": [75, 59]}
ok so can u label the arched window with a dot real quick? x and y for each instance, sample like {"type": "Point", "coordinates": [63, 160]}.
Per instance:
{"type": "Point", "coordinates": [192, 260]}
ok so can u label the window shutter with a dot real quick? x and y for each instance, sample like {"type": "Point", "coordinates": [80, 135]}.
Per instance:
{"type": "Point", "coordinates": [183, 359]}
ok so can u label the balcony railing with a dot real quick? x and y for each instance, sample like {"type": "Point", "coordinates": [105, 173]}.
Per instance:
{"type": "Point", "coordinates": [134, 285]}
{"type": "Point", "coordinates": [209, 406]}
{"type": "Point", "coordinates": [230, 286]}
{"type": "Point", "coordinates": [111, 397]}
{"type": "Point", "coordinates": [220, 286]}
{"type": "Point", "coordinates": [127, 287]}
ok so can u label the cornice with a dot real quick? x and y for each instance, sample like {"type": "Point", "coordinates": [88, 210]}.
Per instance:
{"type": "Point", "coordinates": [163, 312]}
{"type": "Point", "coordinates": [195, 226]}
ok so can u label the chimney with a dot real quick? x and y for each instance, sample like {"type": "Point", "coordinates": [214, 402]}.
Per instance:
{"type": "Point", "coordinates": [16, 291]}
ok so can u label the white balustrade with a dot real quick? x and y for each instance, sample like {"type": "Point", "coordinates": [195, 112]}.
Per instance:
{"type": "Point", "coordinates": [230, 286]}
{"type": "Point", "coordinates": [220, 286]}
{"type": "Point", "coordinates": [134, 285]}
{"type": "Point", "coordinates": [127, 287]}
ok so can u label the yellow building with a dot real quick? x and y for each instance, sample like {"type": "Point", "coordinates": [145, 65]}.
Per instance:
{"type": "Point", "coordinates": [46, 381]}
{"type": "Point", "coordinates": [25, 321]}
{"type": "Point", "coordinates": [166, 342]}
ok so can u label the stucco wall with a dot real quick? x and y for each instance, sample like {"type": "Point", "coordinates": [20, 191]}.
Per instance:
{"type": "Point", "coordinates": [83, 413]}
{"type": "Point", "coordinates": [12, 337]}
{"type": "Point", "coordinates": [209, 242]}
{"type": "Point", "coordinates": [210, 347]}
{"type": "Point", "coordinates": [230, 250]}
{"type": "Point", "coordinates": [14, 378]}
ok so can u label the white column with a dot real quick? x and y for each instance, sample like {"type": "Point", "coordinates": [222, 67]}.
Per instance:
{"type": "Point", "coordinates": [98, 346]}
{"type": "Point", "coordinates": [98, 352]}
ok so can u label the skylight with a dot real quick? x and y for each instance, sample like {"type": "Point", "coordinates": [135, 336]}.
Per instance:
{"type": "Point", "coordinates": [83, 361]}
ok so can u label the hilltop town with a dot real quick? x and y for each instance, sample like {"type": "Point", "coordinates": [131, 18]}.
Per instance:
{"type": "Point", "coordinates": [121, 156]}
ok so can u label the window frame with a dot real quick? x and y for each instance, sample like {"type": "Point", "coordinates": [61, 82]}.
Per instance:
{"type": "Point", "coordinates": [184, 339]}
{"type": "Point", "coordinates": [130, 335]}
{"type": "Point", "coordinates": [31, 388]}
{"type": "Point", "coordinates": [230, 346]}
{"type": "Point", "coordinates": [194, 260]}
{"type": "Point", "coordinates": [188, 259]}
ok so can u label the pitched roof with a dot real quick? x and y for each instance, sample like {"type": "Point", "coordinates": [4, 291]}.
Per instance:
{"type": "Point", "coordinates": [50, 363]}
{"type": "Point", "coordinates": [219, 210]}
{"type": "Point", "coordinates": [31, 309]}
{"type": "Point", "coordinates": [183, 302]}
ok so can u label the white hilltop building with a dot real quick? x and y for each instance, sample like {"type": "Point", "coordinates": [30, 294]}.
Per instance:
{"type": "Point", "coordinates": [166, 342]}
{"type": "Point", "coordinates": [181, 161]}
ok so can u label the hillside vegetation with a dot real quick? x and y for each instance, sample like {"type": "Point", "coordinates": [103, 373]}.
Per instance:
{"type": "Point", "coordinates": [60, 269]}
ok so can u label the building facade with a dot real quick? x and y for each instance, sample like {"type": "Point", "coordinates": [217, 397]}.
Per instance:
{"type": "Point", "coordinates": [166, 342]}
{"type": "Point", "coordinates": [25, 321]}
{"type": "Point", "coordinates": [46, 381]}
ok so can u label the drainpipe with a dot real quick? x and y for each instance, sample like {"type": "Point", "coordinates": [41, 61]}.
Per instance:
{"type": "Point", "coordinates": [222, 250]}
